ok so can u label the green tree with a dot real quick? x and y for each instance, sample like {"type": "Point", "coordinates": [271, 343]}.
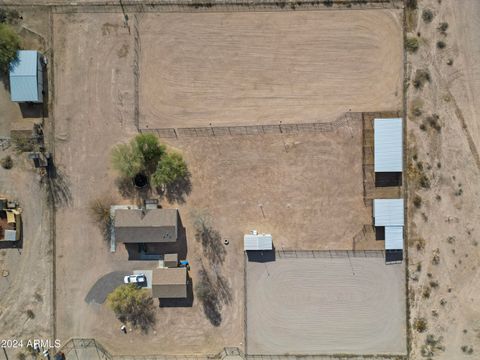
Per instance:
{"type": "Point", "coordinates": [133, 305]}
{"type": "Point", "coordinates": [170, 169]}
{"type": "Point", "coordinates": [9, 45]}
{"type": "Point", "coordinates": [127, 160]}
{"type": "Point", "coordinates": [150, 148]}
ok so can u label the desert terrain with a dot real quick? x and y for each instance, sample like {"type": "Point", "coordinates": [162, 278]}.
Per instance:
{"type": "Point", "coordinates": [444, 276]}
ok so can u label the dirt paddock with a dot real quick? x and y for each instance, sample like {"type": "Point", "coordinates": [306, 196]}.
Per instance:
{"type": "Point", "coordinates": [325, 305]}
{"type": "Point", "coordinates": [263, 68]}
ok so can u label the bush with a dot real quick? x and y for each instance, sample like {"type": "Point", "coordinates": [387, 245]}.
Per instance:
{"type": "Point", "coordinates": [23, 143]}
{"type": "Point", "coordinates": [443, 27]}
{"type": "Point", "coordinates": [412, 44]}
{"type": "Point", "coordinates": [9, 45]}
{"type": "Point", "coordinates": [417, 201]}
{"type": "Point", "coordinates": [6, 162]}
{"type": "Point", "coordinates": [420, 325]}
{"type": "Point", "coordinates": [100, 214]}
{"type": "Point", "coordinates": [133, 305]}
{"type": "Point", "coordinates": [30, 314]}
{"type": "Point", "coordinates": [411, 4]}
{"type": "Point", "coordinates": [421, 77]}
{"type": "Point", "coordinates": [441, 44]}
{"type": "Point", "coordinates": [427, 15]}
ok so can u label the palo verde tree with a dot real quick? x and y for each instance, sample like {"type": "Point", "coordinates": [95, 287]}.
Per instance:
{"type": "Point", "coordinates": [9, 45]}
{"type": "Point", "coordinates": [169, 170]}
{"type": "Point", "coordinates": [133, 305]}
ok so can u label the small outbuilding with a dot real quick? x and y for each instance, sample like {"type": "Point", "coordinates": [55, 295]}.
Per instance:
{"type": "Point", "coordinates": [146, 226]}
{"type": "Point", "coordinates": [257, 242]}
{"type": "Point", "coordinates": [168, 283]}
{"type": "Point", "coordinates": [26, 77]}
{"type": "Point", "coordinates": [388, 217]}
{"type": "Point", "coordinates": [388, 151]}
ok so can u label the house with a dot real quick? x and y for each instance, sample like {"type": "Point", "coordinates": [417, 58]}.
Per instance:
{"type": "Point", "coordinates": [168, 283]}
{"type": "Point", "coordinates": [388, 151]}
{"type": "Point", "coordinates": [26, 77]}
{"type": "Point", "coordinates": [146, 226]}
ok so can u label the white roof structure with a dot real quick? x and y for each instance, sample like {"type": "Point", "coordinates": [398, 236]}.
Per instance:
{"type": "Point", "coordinates": [257, 242]}
{"type": "Point", "coordinates": [388, 145]}
{"type": "Point", "coordinates": [394, 238]}
{"type": "Point", "coordinates": [10, 235]}
{"type": "Point", "coordinates": [388, 212]}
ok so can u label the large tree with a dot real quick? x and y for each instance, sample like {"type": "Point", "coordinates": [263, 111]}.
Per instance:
{"type": "Point", "coordinates": [133, 305]}
{"type": "Point", "coordinates": [150, 148]}
{"type": "Point", "coordinates": [127, 160]}
{"type": "Point", "coordinates": [9, 45]}
{"type": "Point", "coordinates": [170, 169]}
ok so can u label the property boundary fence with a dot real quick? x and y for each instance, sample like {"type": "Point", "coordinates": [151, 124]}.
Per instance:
{"type": "Point", "coordinates": [210, 131]}
{"type": "Point", "coordinates": [325, 357]}
{"type": "Point", "coordinates": [291, 254]}
{"type": "Point", "coordinates": [74, 348]}
{"type": "Point", "coordinates": [133, 6]}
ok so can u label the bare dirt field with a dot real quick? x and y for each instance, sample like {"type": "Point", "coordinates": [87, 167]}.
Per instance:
{"type": "Point", "coordinates": [263, 68]}
{"type": "Point", "coordinates": [444, 250]}
{"type": "Point", "coordinates": [326, 306]}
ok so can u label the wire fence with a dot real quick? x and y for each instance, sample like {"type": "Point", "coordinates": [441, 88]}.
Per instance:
{"type": "Point", "coordinates": [291, 254]}
{"type": "Point", "coordinates": [210, 131]}
{"type": "Point", "coordinates": [135, 6]}
{"type": "Point", "coordinates": [85, 349]}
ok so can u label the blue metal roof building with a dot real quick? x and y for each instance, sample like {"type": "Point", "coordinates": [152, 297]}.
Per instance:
{"type": "Point", "coordinates": [388, 145]}
{"type": "Point", "coordinates": [26, 77]}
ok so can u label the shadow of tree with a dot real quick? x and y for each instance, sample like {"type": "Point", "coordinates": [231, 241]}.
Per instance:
{"type": "Point", "coordinates": [125, 186]}
{"type": "Point", "coordinates": [210, 239]}
{"type": "Point", "coordinates": [178, 190]}
{"type": "Point", "coordinates": [141, 316]}
{"type": "Point", "coordinates": [58, 186]}
{"type": "Point", "coordinates": [214, 292]}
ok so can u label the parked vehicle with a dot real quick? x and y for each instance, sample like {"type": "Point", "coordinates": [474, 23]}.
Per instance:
{"type": "Point", "coordinates": [135, 279]}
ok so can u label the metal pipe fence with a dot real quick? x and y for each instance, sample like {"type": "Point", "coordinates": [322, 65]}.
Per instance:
{"type": "Point", "coordinates": [291, 254]}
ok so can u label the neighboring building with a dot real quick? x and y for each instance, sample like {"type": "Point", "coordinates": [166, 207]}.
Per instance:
{"type": "Point", "coordinates": [146, 226]}
{"type": "Point", "coordinates": [170, 260]}
{"type": "Point", "coordinates": [169, 283]}
{"type": "Point", "coordinates": [257, 242]}
{"type": "Point", "coordinates": [26, 77]}
{"type": "Point", "coordinates": [388, 217]}
{"type": "Point", "coordinates": [388, 151]}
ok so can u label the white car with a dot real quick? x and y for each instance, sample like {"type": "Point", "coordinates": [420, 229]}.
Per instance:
{"type": "Point", "coordinates": [135, 279]}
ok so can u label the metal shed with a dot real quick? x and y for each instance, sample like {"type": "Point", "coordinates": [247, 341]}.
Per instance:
{"type": "Point", "coordinates": [394, 238]}
{"type": "Point", "coordinates": [26, 77]}
{"type": "Point", "coordinates": [257, 242]}
{"type": "Point", "coordinates": [388, 145]}
{"type": "Point", "coordinates": [388, 212]}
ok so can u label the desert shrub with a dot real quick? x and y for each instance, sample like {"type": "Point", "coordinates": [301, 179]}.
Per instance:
{"type": "Point", "coordinates": [427, 15]}
{"type": "Point", "coordinates": [30, 314]}
{"type": "Point", "coordinates": [417, 111]}
{"type": "Point", "coordinates": [450, 62]}
{"type": "Point", "coordinates": [412, 44]}
{"type": "Point", "coordinates": [21, 356]}
{"type": "Point", "coordinates": [133, 305]}
{"type": "Point", "coordinates": [423, 127]}
{"type": "Point", "coordinates": [434, 122]}
{"type": "Point", "coordinates": [433, 284]}
{"type": "Point", "coordinates": [99, 210]}
{"type": "Point", "coordinates": [441, 44]}
{"type": "Point", "coordinates": [424, 181]}
{"type": "Point", "coordinates": [23, 143]}
{"type": "Point", "coordinates": [328, 3]}
{"type": "Point", "coordinates": [467, 349]}
{"type": "Point", "coordinates": [443, 27]}
{"type": "Point", "coordinates": [9, 45]}
{"type": "Point", "coordinates": [417, 201]}
{"type": "Point", "coordinates": [6, 162]}
{"type": "Point", "coordinates": [426, 292]}
{"type": "Point", "coordinates": [420, 325]}
{"type": "Point", "coordinates": [411, 4]}
{"type": "Point", "coordinates": [436, 257]}
{"type": "Point", "coordinates": [421, 77]}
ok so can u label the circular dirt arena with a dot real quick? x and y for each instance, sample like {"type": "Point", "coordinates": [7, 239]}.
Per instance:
{"type": "Point", "coordinates": [325, 306]}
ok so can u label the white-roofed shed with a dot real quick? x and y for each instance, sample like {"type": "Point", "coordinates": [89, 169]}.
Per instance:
{"type": "Point", "coordinates": [388, 145]}
{"type": "Point", "coordinates": [257, 242]}
{"type": "Point", "coordinates": [388, 212]}
{"type": "Point", "coordinates": [394, 238]}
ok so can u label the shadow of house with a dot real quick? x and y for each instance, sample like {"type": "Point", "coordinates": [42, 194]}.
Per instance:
{"type": "Point", "coordinates": [179, 302]}
{"type": "Point", "coordinates": [149, 234]}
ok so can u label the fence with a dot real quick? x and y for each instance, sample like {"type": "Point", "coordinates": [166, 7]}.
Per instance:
{"type": "Point", "coordinates": [210, 131]}
{"type": "Point", "coordinates": [133, 6]}
{"type": "Point", "coordinates": [291, 254]}
{"type": "Point", "coordinates": [82, 349]}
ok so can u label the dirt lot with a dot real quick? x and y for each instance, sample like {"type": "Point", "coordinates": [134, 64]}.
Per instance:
{"type": "Point", "coordinates": [251, 68]}
{"type": "Point", "coordinates": [325, 306]}
{"type": "Point", "coordinates": [444, 289]}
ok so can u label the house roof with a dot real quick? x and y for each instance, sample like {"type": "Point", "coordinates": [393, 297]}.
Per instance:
{"type": "Point", "coordinates": [388, 212]}
{"type": "Point", "coordinates": [24, 77]}
{"type": "Point", "coordinates": [169, 283]}
{"type": "Point", "coordinates": [140, 226]}
{"type": "Point", "coordinates": [257, 242]}
{"type": "Point", "coordinates": [388, 145]}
